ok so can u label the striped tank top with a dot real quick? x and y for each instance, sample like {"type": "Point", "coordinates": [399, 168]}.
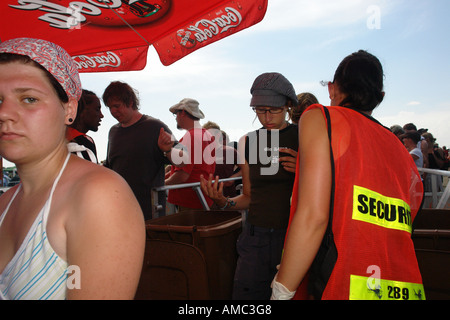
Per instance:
{"type": "Point", "coordinates": [35, 272]}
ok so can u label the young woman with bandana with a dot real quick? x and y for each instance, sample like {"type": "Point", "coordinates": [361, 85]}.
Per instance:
{"type": "Point", "coordinates": [71, 229]}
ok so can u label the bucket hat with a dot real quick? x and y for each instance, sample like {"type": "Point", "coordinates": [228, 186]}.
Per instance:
{"type": "Point", "coordinates": [190, 106]}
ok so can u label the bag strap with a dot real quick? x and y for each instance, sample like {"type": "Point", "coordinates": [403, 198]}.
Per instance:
{"type": "Point", "coordinates": [329, 227]}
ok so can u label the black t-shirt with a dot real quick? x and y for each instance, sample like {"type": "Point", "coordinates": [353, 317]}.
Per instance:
{"type": "Point", "coordinates": [271, 185]}
{"type": "Point", "coordinates": [133, 152]}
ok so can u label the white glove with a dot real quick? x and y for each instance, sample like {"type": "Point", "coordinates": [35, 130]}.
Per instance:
{"type": "Point", "coordinates": [279, 291]}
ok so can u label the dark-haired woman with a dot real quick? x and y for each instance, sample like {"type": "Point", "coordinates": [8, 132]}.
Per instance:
{"type": "Point", "coordinates": [356, 171]}
{"type": "Point", "coordinates": [267, 177]}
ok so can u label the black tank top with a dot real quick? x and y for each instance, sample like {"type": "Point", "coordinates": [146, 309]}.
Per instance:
{"type": "Point", "coordinates": [271, 185]}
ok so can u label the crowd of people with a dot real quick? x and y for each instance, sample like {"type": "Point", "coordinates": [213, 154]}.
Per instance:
{"type": "Point", "coordinates": [425, 151]}
{"type": "Point", "coordinates": [311, 188]}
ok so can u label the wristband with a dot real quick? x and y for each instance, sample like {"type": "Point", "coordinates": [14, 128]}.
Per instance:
{"type": "Point", "coordinates": [226, 204]}
{"type": "Point", "coordinates": [229, 203]}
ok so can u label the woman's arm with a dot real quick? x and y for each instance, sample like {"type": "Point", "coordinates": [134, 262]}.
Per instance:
{"type": "Point", "coordinates": [215, 190]}
{"type": "Point", "coordinates": [105, 239]}
{"type": "Point", "coordinates": [309, 223]}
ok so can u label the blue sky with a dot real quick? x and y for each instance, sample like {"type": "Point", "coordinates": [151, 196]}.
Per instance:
{"type": "Point", "coordinates": [305, 41]}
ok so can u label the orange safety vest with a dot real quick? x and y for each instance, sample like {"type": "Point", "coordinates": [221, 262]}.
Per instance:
{"type": "Point", "coordinates": [377, 194]}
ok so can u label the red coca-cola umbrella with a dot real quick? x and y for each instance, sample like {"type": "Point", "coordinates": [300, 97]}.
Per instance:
{"type": "Point", "coordinates": [114, 35]}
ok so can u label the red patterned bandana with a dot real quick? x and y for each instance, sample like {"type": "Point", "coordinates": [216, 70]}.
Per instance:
{"type": "Point", "coordinates": [52, 57]}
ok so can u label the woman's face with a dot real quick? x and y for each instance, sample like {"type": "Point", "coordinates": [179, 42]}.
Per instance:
{"type": "Point", "coordinates": [32, 118]}
{"type": "Point", "coordinates": [272, 117]}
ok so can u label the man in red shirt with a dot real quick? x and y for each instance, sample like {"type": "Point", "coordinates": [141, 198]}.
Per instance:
{"type": "Point", "coordinates": [199, 143]}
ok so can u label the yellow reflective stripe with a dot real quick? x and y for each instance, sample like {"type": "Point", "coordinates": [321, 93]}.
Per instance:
{"type": "Point", "coordinates": [372, 207]}
{"type": "Point", "coordinates": [364, 288]}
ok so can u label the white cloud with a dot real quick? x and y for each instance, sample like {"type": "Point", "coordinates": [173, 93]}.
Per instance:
{"type": "Point", "coordinates": [304, 14]}
{"type": "Point", "coordinates": [413, 103]}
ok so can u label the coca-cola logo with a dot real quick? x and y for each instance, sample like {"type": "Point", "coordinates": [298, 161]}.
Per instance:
{"type": "Point", "coordinates": [186, 38]}
{"type": "Point", "coordinates": [206, 29]}
{"type": "Point", "coordinates": [66, 14]}
{"type": "Point", "coordinates": [108, 59]}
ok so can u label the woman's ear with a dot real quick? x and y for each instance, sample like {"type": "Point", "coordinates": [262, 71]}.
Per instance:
{"type": "Point", "coordinates": [71, 108]}
{"type": "Point", "coordinates": [331, 90]}
{"type": "Point", "coordinates": [290, 110]}
{"type": "Point", "coordinates": [336, 95]}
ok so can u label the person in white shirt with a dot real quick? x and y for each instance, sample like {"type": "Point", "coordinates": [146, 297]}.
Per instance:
{"type": "Point", "coordinates": [410, 140]}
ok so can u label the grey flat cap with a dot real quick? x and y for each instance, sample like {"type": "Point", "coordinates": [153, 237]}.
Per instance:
{"type": "Point", "coordinates": [272, 90]}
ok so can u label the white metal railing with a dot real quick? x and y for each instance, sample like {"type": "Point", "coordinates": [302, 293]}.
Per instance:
{"type": "Point", "coordinates": [439, 198]}
{"type": "Point", "coordinates": [159, 208]}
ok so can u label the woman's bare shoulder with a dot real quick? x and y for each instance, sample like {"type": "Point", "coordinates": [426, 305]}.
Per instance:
{"type": "Point", "coordinates": [91, 185]}
{"type": "Point", "coordinates": [6, 197]}
{"type": "Point", "coordinates": [97, 196]}
{"type": "Point", "coordinates": [90, 175]}
{"type": "Point", "coordinates": [104, 222]}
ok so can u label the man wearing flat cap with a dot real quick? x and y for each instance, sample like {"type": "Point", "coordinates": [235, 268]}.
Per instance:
{"type": "Point", "coordinates": [199, 143]}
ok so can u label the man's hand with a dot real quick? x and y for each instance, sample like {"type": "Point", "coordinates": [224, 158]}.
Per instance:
{"type": "Point", "coordinates": [165, 141]}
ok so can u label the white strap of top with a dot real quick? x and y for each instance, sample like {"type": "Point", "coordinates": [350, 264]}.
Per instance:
{"type": "Point", "coordinates": [51, 192]}
{"type": "Point", "coordinates": [55, 183]}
